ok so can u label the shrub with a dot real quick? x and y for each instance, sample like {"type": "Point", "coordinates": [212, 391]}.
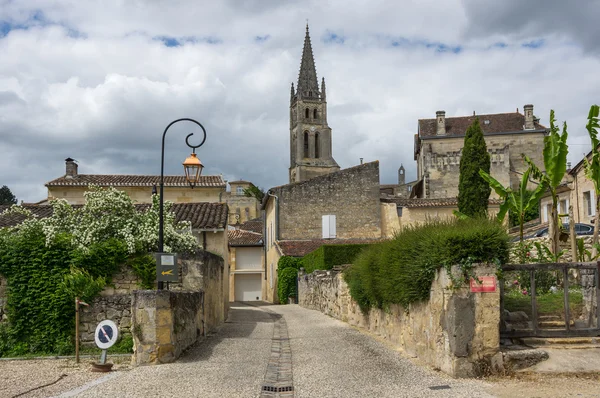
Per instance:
{"type": "Point", "coordinates": [287, 272]}
{"type": "Point", "coordinates": [328, 256]}
{"type": "Point", "coordinates": [286, 284]}
{"type": "Point", "coordinates": [400, 271]}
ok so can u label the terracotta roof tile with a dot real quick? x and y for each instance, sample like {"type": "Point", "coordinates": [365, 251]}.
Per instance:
{"type": "Point", "coordinates": [442, 202]}
{"type": "Point", "coordinates": [254, 225]}
{"type": "Point", "coordinates": [201, 215]}
{"type": "Point", "coordinates": [300, 248]}
{"type": "Point", "coordinates": [118, 180]}
{"type": "Point", "coordinates": [239, 237]}
{"type": "Point", "coordinates": [457, 126]}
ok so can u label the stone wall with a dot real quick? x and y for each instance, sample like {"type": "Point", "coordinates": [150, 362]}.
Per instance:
{"type": "Point", "coordinates": [165, 324]}
{"type": "Point", "coordinates": [352, 195]}
{"type": "Point", "coordinates": [456, 331]}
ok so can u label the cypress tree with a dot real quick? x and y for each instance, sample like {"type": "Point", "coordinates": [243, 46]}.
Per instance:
{"type": "Point", "coordinates": [7, 197]}
{"type": "Point", "coordinates": [473, 191]}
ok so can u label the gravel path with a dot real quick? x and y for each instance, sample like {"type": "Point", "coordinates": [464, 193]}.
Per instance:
{"type": "Point", "coordinates": [328, 359]}
{"type": "Point", "coordinates": [332, 359]}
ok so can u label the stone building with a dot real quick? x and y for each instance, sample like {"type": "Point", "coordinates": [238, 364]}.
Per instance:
{"type": "Point", "coordinates": [242, 208]}
{"type": "Point", "coordinates": [310, 135]}
{"type": "Point", "coordinates": [576, 190]}
{"type": "Point", "coordinates": [72, 186]}
{"type": "Point", "coordinates": [402, 189]}
{"type": "Point", "coordinates": [439, 142]}
{"type": "Point", "coordinates": [336, 208]}
{"type": "Point", "coordinates": [246, 259]}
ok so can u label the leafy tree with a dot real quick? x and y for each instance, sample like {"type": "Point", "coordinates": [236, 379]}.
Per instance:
{"type": "Point", "coordinates": [592, 168]}
{"type": "Point", "coordinates": [254, 192]}
{"type": "Point", "coordinates": [555, 161]}
{"type": "Point", "coordinates": [7, 197]}
{"type": "Point", "coordinates": [519, 203]}
{"type": "Point", "coordinates": [473, 190]}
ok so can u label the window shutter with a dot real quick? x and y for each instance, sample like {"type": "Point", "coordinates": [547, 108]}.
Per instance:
{"type": "Point", "coordinates": [593, 202]}
{"type": "Point", "coordinates": [328, 227]}
{"type": "Point", "coordinates": [332, 227]}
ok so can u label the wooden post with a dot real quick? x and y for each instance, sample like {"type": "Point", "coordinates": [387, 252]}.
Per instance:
{"type": "Point", "coordinates": [574, 258]}
{"type": "Point", "coordinates": [77, 329]}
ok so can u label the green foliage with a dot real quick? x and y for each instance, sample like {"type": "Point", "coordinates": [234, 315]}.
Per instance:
{"type": "Point", "coordinates": [80, 284]}
{"type": "Point", "coordinates": [544, 280]}
{"type": "Point", "coordinates": [286, 284]}
{"type": "Point", "coordinates": [521, 204]}
{"type": "Point", "coordinates": [400, 271]}
{"type": "Point", "coordinates": [7, 197]}
{"type": "Point", "coordinates": [473, 190]}
{"type": "Point", "coordinates": [592, 167]}
{"type": "Point", "coordinates": [555, 163]}
{"type": "Point", "coordinates": [531, 211]}
{"type": "Point", "coordinates": [254, 192]}
{"type": "Point", "coordinates": [42, 284]}
{"type": "Point", "coordinates": [144, 266]}
{"type": "Point", "coordinates": [287, 272]}
{"type": "Point", "coordinates": [48, 262]}
{"type": "Point", "coordinates": [328, 256]}
{"type": "Point", "coordinates": [288, 262]}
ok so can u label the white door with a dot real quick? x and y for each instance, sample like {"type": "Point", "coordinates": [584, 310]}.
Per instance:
{"type": "Point", "coordinates": [248, 287]}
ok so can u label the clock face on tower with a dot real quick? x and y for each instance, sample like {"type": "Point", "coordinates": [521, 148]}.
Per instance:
{"type": "Point", "coordinates": [313, 129]}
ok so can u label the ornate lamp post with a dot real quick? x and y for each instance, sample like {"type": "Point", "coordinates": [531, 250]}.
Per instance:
{"type": "Point", "coordinates": [192, 167]}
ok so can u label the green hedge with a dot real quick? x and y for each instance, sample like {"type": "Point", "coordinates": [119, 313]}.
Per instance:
{"type": "Point", "coordinates": [287, 272]}
{"type": "Point", "coordinates": [328, 256]}
{"type": "Point", "coordinates": [400, 271]}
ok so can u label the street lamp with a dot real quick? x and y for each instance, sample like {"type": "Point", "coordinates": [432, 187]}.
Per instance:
{"type": "Point", "coordinates": [192, 167]}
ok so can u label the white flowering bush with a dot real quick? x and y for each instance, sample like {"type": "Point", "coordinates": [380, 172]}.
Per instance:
{"type": "Point", "coordinates": [110, 213]}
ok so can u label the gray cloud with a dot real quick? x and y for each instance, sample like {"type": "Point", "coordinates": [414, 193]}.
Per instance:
{"type": "Point", "coordinates": [575, 21]}
{"type": "Point", "coordinates": [105, 97]}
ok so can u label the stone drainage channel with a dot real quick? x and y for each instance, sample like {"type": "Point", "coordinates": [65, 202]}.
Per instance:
{"type": "Point", "coordinates": [278, 378]}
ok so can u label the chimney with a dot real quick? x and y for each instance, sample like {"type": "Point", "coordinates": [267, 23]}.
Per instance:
{"type": "Point", "coordinates": [528, 110]}
{"type": "Point", "coordinates": [71, 168]}
{"type": "Point", "coordinates": [440, 117]}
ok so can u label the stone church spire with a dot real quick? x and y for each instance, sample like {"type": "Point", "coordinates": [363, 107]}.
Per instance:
{"type": "Point", "coordinates": [310, 135]}
{"type": "Point", "coordinates": [308, 85]}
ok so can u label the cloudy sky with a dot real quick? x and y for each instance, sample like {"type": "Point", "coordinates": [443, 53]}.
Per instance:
{"type": "Point", "coordinates": [100, 80]}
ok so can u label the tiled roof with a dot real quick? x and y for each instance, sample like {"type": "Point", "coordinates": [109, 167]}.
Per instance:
{"type": "Point", "coordinates": [300, 248]}
{"type": "Point", "coordinates": [118, 180]}
{"type": "Point", "coordinates": [239, 237]}
{"type": "Point", "coordinates": [442, 202]}
{"type": "Point", "coordinates": [201, 215]}
{"type": "Point", "coordinates": [457, 126]}
{"type": "Point", "coordinates": [254, 225]}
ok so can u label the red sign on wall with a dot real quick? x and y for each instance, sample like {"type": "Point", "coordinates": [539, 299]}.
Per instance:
{"type": "Point", "coordinates": [487, 285]}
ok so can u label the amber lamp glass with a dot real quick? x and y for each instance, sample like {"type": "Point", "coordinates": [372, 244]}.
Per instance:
{"type": "Point", "coordinates": [193, 168]}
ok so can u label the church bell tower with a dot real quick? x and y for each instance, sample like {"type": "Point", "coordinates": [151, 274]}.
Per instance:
{"type": "Point", "coordinates": [310, 136]}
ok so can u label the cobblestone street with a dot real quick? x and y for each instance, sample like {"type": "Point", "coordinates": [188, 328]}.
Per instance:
{"type": "Point", "coordinates": [250, 357]}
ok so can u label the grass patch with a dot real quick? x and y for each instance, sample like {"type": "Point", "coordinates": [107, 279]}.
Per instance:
{"type": "Point", "coordinates": [547, 304]}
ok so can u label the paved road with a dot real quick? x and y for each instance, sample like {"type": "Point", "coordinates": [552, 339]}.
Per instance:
{"type": "Point", "coordinates": [252, 350]}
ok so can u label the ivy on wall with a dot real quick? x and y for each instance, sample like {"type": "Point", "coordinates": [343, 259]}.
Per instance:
{"type": "Point", "coordinates": [48, 262]}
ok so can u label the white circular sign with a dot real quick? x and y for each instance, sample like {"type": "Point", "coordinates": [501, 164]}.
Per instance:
{"type": "Point", "coordinates": [106, 334]}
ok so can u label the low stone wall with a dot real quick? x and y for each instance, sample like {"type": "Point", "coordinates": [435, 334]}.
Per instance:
{"type": "Point", "coordinates": [116, 307]}
{"type": "Point", "coordinates": [456, 331]}
{"type": "Point", "coordinates": [165, 324]}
